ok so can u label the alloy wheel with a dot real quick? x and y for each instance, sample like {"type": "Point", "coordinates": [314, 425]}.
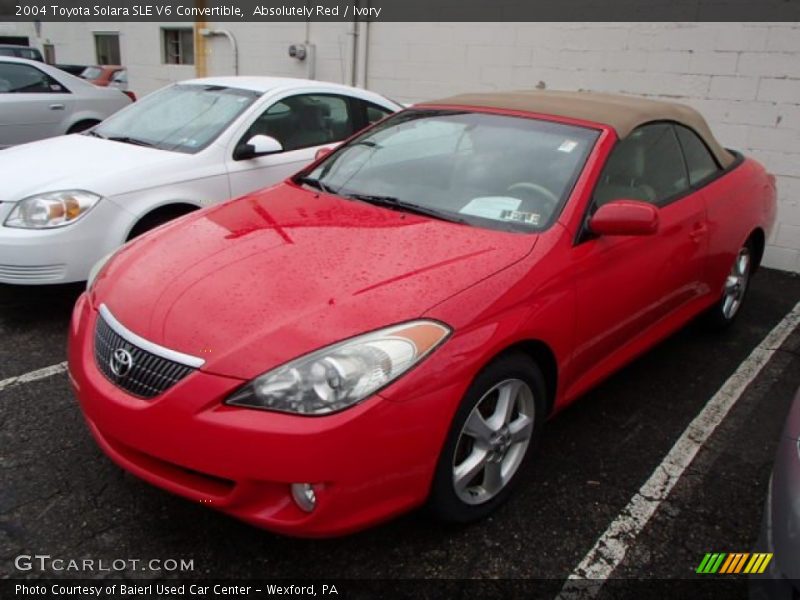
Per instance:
{"type": "Point", "coordinates": [736, 284]}
{"type": "Point", "coordinates": [493, 441]}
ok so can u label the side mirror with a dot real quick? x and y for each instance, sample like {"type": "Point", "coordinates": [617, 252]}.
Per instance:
{"type": "Point", "coordinates": [322, 152]}
{"type": "Point", "coordinates": [258, 145]}
{"type": "Point", "coordinates": [625, 217]}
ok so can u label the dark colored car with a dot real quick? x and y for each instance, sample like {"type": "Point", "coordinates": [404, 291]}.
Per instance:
{"type": "Point", "coordinates": [73, 69]}
{"type": "Point", "coordinates": [21, 52]}
{"type": "Point", "coordinates": [780, 528]}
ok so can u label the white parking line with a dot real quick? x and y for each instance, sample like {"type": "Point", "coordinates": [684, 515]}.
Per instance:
{"type": "Point", "coordinates": [33, 375]}
{"type": "Point", "coordinates": [610, 549]}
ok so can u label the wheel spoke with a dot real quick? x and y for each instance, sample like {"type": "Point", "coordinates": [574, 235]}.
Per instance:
{"type": "Point", "coordinates": [742, 264]}
{"type": "Point", "coordinates": [731, 283]}
{"type": "Point", "coordinates": [506, 403]}
{"type": "Point", "coordinates": [727, 305]}
{"type": "Point", "coordinates": [464, 473]}
{"type": "Point", "coordinates": [493, 478]}
{"type": "Point", "coordinates": [521, 429]}
{"type": "Point", "coordinates": [476, 427]}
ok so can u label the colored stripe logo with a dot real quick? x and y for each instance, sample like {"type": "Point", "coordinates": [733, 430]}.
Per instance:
{"type": "Point", "coordinates": [734, 563]}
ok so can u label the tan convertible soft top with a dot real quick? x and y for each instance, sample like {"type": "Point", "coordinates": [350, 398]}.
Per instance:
{"type": "Point", "coordinates": [622, 113]}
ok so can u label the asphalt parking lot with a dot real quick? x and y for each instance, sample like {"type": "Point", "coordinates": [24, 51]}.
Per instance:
{"type": "Point", "coordinates": [60, 496]}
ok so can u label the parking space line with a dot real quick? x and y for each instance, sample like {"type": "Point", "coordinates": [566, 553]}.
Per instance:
{"type": "Point", "coordinates": [33, 375]}
{"type": "Point", "coordinates": [587, 578]}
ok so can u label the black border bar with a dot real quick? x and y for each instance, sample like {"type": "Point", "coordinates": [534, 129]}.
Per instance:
{"type": "Point", "coordinates": [401, 10]}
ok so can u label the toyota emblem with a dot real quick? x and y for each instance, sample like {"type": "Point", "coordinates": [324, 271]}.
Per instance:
{"type": "Point", "coordinates": [121, 362]}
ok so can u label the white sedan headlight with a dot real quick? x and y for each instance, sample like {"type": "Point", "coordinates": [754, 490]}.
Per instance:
{"type": "Point", "coordinates": [343, 374]}
{"type": "Point", "coordinates": [53, 209]}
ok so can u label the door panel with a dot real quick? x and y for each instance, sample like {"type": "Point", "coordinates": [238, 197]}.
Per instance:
{"type": "Point", "coordinates": [625, 285]}
{"type": "Point", "coordinates": [32, 104]}
{"type": "Point", "coordinates": [303, 123]}
{"type": "Point", "coordinates": [29, 117]}
{"type": "Point", "coordinates": [262, 171]}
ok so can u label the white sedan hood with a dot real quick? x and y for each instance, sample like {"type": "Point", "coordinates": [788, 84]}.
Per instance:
{"type": "Point", "coordinates": [83, 162]}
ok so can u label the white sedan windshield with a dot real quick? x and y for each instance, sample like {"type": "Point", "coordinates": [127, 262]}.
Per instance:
{"type": "Point", "coordinates": [484, 169]}
{"type": "Point", "coordinates": [183, 118]}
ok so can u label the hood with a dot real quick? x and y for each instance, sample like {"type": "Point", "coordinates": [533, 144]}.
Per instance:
{"type": "Point", "coordinates": [79, 162]}
{"type": "Point", "coordinates": [255, 282]}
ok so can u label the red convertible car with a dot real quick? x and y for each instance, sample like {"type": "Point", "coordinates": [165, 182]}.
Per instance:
{"type": "Point", "coordinates": [392, 326]}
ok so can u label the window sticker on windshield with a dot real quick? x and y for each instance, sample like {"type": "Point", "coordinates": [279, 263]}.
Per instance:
{"type": "Point", "coordinates": [491, 207]}
{"type": "Point", "coordinates": [568, 146]}
{"type": "Point", "coordinates": [528, 218]}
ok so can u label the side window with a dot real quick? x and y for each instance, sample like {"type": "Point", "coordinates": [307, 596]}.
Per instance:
{"type": "Point", "coordinates": [305, 120]}
{"type": "Point", "coordinates": [699, 159]}
{"type": "Point", "coordinates": [375, 112]}
{"type": "Point", "coordinates": [647, 165]}
{"type": "Point", "coordinates": [24, 79]}
{"type": "Point", "coordinates": [31, 54]}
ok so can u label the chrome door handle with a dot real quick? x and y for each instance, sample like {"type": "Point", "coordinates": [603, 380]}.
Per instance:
{"type": "Point", "coordinates": [56, 107]}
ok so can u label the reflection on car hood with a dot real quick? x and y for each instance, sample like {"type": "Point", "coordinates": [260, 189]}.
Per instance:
{"type": "Point", "coordinates": [255, 282]}
{"type": "Point", "coordinates": [79, 162]}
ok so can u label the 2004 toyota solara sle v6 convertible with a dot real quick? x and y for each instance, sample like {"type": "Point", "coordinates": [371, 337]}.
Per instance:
{"type": "Point", "coordinates": [392, 326]}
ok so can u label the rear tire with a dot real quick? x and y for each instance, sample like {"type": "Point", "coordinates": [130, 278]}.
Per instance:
{"type": "Point", "coordinates": [493, 434]}
{"type": "Point", "coordinates": [724, 312]}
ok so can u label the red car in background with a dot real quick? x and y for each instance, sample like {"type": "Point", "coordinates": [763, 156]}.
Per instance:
{"type": "Point", "coordinates": [101, 74]}
{"type": "Point", "coordinates": [392, 326]}
{"type": "Point", "coordinates": [108, 75]}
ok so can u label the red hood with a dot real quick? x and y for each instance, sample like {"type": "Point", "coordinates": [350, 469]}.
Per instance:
{"type": "Point", "coordinates": [252, 283]}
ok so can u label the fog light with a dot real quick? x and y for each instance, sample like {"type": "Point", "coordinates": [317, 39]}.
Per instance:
{"type": "Point", "coordinates": [304, 496]}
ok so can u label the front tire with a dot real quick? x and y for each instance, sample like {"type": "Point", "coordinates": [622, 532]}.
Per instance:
{"type": "Point", "coordinates": [81, 126]}
{"type": "Point", "coordinates": [725, 311]}
{"type": "Point", "coordinates": [157, 219]}
{"type": "Point", "coordinates": [491, 439]}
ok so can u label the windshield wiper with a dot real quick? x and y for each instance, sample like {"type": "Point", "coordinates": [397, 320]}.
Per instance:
{"type": "Point", "coordinates": [94, 134]}
{"type": "Point", "coordinates": [313, 182]}
{"type": "Point", "coordinates": [129, 140]}
{"type": "Point", "coordinates": [397, 204]}
{"type": "Point", "coordinates": [367, 143]}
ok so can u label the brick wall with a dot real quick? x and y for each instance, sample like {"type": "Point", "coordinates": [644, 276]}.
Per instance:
{"type": "Point", "coordinates": [745, 78]}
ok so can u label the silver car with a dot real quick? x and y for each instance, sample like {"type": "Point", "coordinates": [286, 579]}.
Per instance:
{"type": "Point", "coordinates": [780, 529]}
{"type": "Point", "coordinates": [39, 101]}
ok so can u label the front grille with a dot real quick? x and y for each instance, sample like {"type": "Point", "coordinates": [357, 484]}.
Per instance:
{"type": "Point", "coordinates": [145, 374]}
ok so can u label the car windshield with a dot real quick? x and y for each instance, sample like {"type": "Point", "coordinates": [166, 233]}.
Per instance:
{"type": "Point", "coordinates": [487, 170]}
{"type": "Point", "coordinates": [92, 72]}
{"type": "Point", "coordinates": [182, 118]}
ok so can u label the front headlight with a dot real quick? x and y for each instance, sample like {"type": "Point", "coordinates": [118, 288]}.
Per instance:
{"type": "Point", "coordinates": [343, 374]}
{"type": "Point", "coordinates": [53, 209]}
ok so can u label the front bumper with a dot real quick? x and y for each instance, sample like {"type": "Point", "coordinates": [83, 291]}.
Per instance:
{"type": "Point", "coordinates": [62, 254]}
{"type": "Point", "coordinates": [366, 464]}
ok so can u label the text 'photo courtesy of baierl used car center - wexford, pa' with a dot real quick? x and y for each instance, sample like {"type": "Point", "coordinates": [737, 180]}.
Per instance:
{"type": "Point", "coordinates": [375, 299]}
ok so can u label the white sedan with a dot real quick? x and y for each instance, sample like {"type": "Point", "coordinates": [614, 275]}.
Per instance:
{"type": "Point", "coordinates": [38, 101]}
{"type": "Point", "coordinates": [68, 201]}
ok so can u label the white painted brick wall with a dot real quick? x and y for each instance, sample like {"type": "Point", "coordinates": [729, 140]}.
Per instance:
{"type": "Point", "coordinates": [744, 77]}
